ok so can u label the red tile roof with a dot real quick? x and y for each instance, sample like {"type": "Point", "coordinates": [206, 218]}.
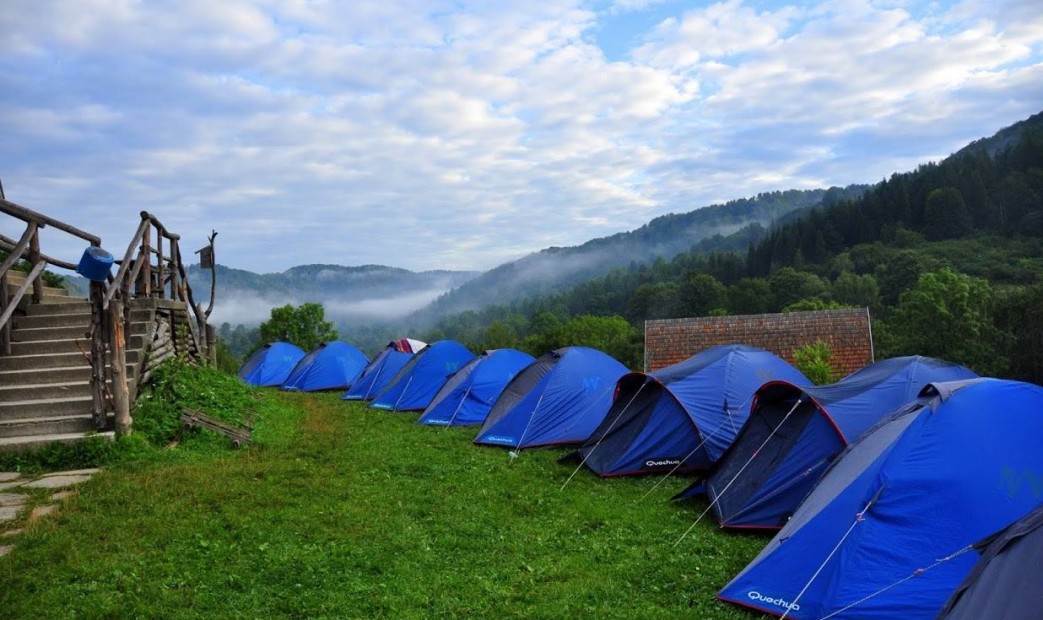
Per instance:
{"type": "Point", "coordinates": [847, 332]}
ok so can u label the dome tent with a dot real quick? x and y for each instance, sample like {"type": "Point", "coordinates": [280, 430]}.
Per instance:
{"type": "Point", "coordinates": [887, 530]}
{"type": "Point", "coordinates": [270, 365]}
{"type": "Point", "coordinates": [1006, 583]}
{"type": "Point", "coordinates": [682, 417]}
{"type": "Point", "coordinates": [467, 396]}
{"type": "Point", "coordinates": [376, 376]}
{"type": "Point", "coordinates": [331, 366]}
{"type": "Point", "coordinates": [557, 400]}
{"type": "Point", "coordinates": [417, 382]}
{"type": "Point", "coordinates": [793, 434]}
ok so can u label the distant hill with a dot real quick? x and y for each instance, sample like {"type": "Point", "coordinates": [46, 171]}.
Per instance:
{"type": "Point", "coordinates": [726, 227]}
{"type": "Point", "coordinates": [350, 294]}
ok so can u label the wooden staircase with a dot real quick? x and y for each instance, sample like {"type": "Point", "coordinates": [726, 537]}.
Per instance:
{"type": "Point", "coordinates": [58, 382]}
{"type": "Point", "coordinates": [45, 389]}
{"type": "Point", "coordinates": [45, 384]}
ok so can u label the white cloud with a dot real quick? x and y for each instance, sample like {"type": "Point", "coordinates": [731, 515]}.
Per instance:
{"type": "Point", "coordinates": [436, 134]}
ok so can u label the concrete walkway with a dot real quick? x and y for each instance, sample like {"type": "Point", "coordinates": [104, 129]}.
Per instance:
{"type": "Point", "coordinates": [15, 502]}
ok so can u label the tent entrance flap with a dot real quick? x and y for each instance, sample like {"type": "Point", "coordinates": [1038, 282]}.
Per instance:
{"type": "Point", "coordinates": [755, 456]}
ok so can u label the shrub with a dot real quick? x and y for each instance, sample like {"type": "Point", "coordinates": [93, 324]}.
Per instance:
{"type": "Point", "coordinates": [813, 361]}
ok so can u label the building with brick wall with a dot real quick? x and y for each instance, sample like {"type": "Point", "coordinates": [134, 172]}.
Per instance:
{"type": "Point", "coordinates": [847, 332]}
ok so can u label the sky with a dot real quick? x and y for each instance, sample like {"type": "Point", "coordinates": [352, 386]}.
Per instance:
{"type": "Point", "coordinates": [460, 134]}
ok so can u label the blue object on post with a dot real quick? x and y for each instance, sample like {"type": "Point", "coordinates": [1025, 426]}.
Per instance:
{"type": "Point", "coordinates": [95, 264]}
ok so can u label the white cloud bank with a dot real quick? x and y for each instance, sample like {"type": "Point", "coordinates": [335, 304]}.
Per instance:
{"type": "Point", "coordinates": [458, 135]}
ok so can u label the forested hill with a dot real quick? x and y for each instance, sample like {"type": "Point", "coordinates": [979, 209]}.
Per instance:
{"type": "Point", "coordinates": [949, 259]}
{"type": "Point", "coordinates": [1004, 138]}
{"type": "Point", "coordinates": [729, 226]}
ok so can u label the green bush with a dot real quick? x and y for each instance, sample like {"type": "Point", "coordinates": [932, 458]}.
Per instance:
{"type": "Point", "coordinates": [813, 361]}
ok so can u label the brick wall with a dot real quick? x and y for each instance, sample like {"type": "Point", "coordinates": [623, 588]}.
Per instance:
{"type": "Point", "coordinates": [847, 332]}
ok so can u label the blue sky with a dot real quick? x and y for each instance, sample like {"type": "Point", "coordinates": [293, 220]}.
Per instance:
{"type": "Point", "coordinates": [441, 134]}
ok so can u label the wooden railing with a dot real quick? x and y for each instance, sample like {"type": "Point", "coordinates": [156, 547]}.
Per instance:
{"type": "Point", "coordinates": [150, 268]}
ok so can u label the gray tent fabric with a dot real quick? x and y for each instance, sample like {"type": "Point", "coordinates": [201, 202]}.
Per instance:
{"type": "Point", "coordinates": [1007, 582]}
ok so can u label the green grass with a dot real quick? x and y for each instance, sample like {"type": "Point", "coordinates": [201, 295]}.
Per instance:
{"type": "Point", "coordinates": [339, 511]}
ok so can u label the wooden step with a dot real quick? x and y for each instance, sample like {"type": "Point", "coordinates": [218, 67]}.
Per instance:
{"type": "Point", "coordinates": [40, 347]}
{"type": "Point", "coordinates": [44, 376]}
{"type": "Point", "coordinates": [33, 391]}
{"type": "Point", "coordinates": [42, 360]}
{"type": "Point", "coordinates": [35, 442]}
{"type": "Point", "coordinates": [48, 291]}
{"type": "Point", "coordinates": [39, 321]}
{"type": "Point", "coordinates": [51, 425]}
{"type": "Point", "coordinates": [52, 391]}
{"type": "Point", "coordinates": [45, 407]}
{"type": "Point", "coordinates": [49, 333]}
{"type": "Point", "coordinates": [73, 305]}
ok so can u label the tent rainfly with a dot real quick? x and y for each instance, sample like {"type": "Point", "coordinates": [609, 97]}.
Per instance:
{"type": "Point", "coordinates": [383, 368]}
{"type": "Point", "coordinates": [270, 365]}
{"type": "Point", "coordinates": [793, 433]}
{"type": "Point", "coordinates": [417, 382]}
{"type": "Point", "coordinates": [889, 529]}
{"type": "Point", "coordinates": [331, 366]}
{"type": "Point", "coordinates": [681, 418]}
{"type": "Point", "coordinates": [557, 400]}
{"type": "Point", "coordinates": [467, 396]}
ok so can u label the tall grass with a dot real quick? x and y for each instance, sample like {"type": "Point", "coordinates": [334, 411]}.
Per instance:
{"type": "Point", "coordinates": [343, 512]}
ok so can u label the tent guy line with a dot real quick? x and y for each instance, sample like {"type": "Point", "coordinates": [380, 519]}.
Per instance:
{"type": "Point", "coordinates": [736, 476]}
{"type": "Point", "coordinates": [613, 425]}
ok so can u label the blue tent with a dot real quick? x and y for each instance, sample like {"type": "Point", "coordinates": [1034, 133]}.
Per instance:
{"type": "Point", "coordinates": [558, 399]}
{"type": "Point", "coordinates": [793, 433]}
{"type": "Point", "coordinates": [271, 364]}
{"type": "Point", "coordinates": [417, 382]}
{"type": "Point", "coordinates": [376, 376]}
{"type": "Point", "coordinates": [887, 531]}
{"type": "Point", "coordinates": [467, 396]}
{"type": "Point", "coordinates": [682, 417]}
{"type": "Point", "coordinates": [331, 366]}
{"type": "Point", "coordinates": [383, 368]}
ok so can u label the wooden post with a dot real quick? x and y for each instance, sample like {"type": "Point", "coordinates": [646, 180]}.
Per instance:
{"type": "Point", "coordinates": [211, 345]}
{"type": "Point", "coordinates": [5, 333]}
{"type": "Point", "coordinates": [159, 266]}
{"type": "Point", "coordinates": [175, 256]}
{"type": "Point", "coordinates": [98, 335]}
{"type": "Point", "coordinates": [118, 362]}
{"type": "Point", "coordinates": [34, 257]}
{"type": "Point", "coordinates": [145, 280]}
